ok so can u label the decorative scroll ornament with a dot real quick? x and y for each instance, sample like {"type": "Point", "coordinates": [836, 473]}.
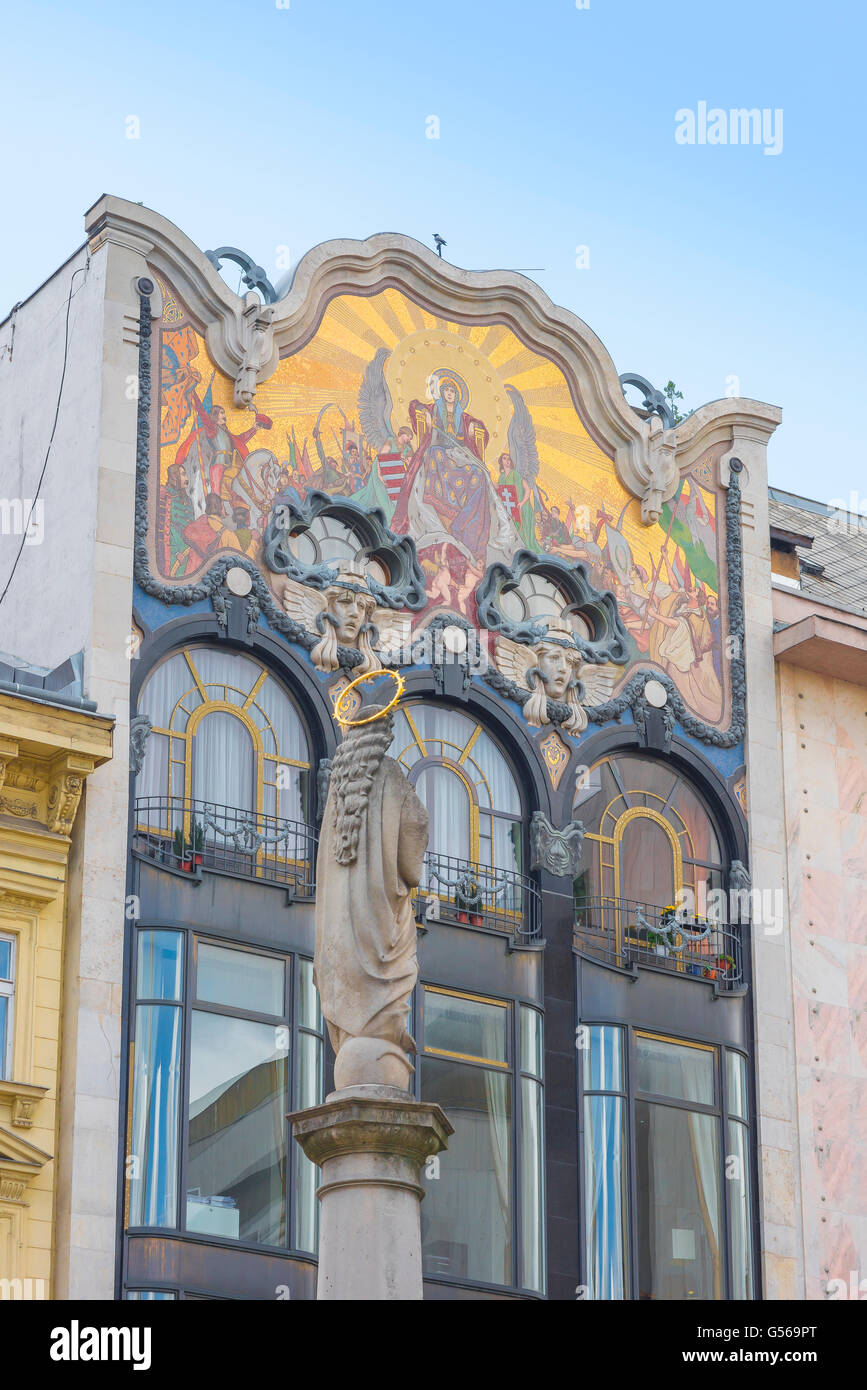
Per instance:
{"type": "Point", "coordinates": [609, 640]}
{"type": "Point", "coordinates": [254, 276]}
{"type": "Point", "coordinates": [394, 554]}
{"type": "Point", "coordinates": [139, 728]}
{"type": "Point", "coordinates": [558, 851]}
{"type": "Point", "coordinates": [655, 402]}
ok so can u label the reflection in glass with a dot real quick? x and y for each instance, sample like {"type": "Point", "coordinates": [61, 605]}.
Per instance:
{"type": "Point", "coordinates": [605, 1208]}
{"type": "Point", "coordinates": [603, 1059]}
{"type": "Point", "coordinates": [530, 1025]}
{"type": "Point", "coordinates": [669, 1069]}
{"type": "Point", "coordinates": [240, 979]}
{"type": "Point", "coordinates": [308, 1011]}
{"type": "Point", "coordinates": [5, 1030]}
{"type": "Point", "coordinates": [309, 1063]}
{"type": "Point", "coordinates": [736, 1084]}
{"type": "Point", "coordinates": [466, 1216]}
{"type": "Point", "coordinates": [738, 1174]}
{"type": "Point", "coordinates": [532, 1150]}
{"type": "Point", "coordinates": [160, 973]}
{"type": "Point", "coordinates": [152, 1162]}
{"type": "Point", "coordinates": [465, 1027]}
{"type": "Point", "coordinates": [678, 1208]}
{"type": "Point", "coordinates": [236, 1172]}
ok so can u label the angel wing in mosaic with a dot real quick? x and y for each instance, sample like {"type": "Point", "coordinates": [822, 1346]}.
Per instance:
{"type": "Point", "coordinates": [522, 436]}
{"type": "Point", "coordinates": [374, 402]}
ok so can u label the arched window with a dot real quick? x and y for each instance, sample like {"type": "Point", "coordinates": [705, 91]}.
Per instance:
{"type": "Point", "coordinates": [653, 874]}
{"type": "Point", "coordinates": [226, 769]}
{"type": "Point", "coordinates": [464, 781]}
{"type": "Point", "coordinates": [649, 833]}
{"type": "Point", "coordinates": [475, 845]}
{"type": "Point", "coordinates": [328, 540]}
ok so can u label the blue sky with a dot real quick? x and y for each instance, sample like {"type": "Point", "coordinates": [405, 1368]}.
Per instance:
{"type": "Point", "coordinates": [267, 127]}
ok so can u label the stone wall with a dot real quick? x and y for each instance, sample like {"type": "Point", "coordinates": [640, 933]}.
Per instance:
{"type": "Point", "coordinates": [824, 729]}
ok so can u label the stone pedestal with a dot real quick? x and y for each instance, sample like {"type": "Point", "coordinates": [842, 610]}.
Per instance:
{"type": "Point", "coordinates": [370, 1143]}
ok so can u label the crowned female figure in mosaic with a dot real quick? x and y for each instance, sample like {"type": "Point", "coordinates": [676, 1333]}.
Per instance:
{"type": "Point", "coordinates": [447, 493]}
{"type": "Point", "coordinates": [371, 853]}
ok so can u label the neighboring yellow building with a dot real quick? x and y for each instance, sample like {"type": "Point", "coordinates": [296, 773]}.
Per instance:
{"type": "Point", "coordinates": [50, 742]}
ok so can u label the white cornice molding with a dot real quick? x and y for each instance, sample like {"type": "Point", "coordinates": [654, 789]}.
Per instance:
{"type": "Point", "coordinates": [246, 338]}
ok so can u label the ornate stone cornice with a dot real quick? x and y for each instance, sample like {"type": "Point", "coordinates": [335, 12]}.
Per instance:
{"type": "Point", "coordinates": [246, 338]}
{"type": "Point", "coordinates": [20, 1162]}
{"type": "Point", "coordinates": [23, 1098]}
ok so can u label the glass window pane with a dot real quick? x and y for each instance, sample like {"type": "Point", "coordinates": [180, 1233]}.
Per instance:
{"type": "Point", "coordinates": [153, 780]}
{"type": "Point", "coordinates": [498, 775]}
{"type": "Point", "coordinates": [705, 844]}
{"type": "Point", "coordinates": [309, 1012]}
{"type": "Point", "coordinates": [645, 775]}
{"type": "Point", "coordinates": [646, 863]}
{"type": "Point", "coordinates": [530, 1024]}
{"type": "Point", "coordinates": [4, 1036]}
{"type": "Point", "coordinates": [160, 971]}
{"type": "Point", "coordinates": [532, 1215]}
{"type": "Point", "coordinates": [678, 1190]}
{"type": "Point", "coordinates": [224, 762]}
{"type": "Point", "coordinates": [605, 1197]}
{"type": "Point", "coordinates": [466, 1215]}
{"type": "Point", "coordinates": [738, 1174]}
{"type": "Point", "coordinates": [603, 1058]}
{"type": "Point", "coordinates": [236, 1174]}
{"type": "Point", "coordinates": [447, 800]}
{"type": "Point", "coordinates": [465, 1027]}
{"type": "Point", "coordinates": [152, 1161]}
{"type": "Point", "coordinates": [276, 704]}
{"type": "Point", "coordinates": [309, 1083]}
{"type": "Point", "coordinates": [150, 1295]}
{"type": "Point", "coordinates": [434, 722]}
{"type": "Point", "coordinates": [163, 689]}
{"type": "Point", "coordinates": [672, 1069]}
{"type": "Point", "coordinates": [5, 960]}
{"type": "Point", "coordinates": [239, 979]}
{"type": "Point", "coordinates": [736, 1084]}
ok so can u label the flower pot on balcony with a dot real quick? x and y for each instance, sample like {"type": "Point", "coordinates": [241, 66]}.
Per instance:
{"type": "Point", "coordinates": [475, 919]}
{"type": "Point", "coordinates": [197, 859]}
{"type": "Point", "coordinates": [187, 866]}
{"type": "Point", "coordinates": [463, 917]}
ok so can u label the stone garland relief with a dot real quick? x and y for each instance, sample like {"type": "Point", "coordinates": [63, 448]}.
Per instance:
{"type": "Point", "coordinates": [423, 486]}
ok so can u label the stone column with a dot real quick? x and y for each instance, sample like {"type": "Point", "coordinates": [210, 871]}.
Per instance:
{"type": "Point", "coordinates": [370, 1143]}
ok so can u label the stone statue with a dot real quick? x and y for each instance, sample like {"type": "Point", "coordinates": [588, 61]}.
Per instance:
{"type": "Point", "coordinates": [371, 853]}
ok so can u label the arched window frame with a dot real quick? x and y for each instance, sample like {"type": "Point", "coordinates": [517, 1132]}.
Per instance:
{"type": "Point", "coordinates": [182, 738]}
{"type": "Point", "coordinates": [458, 767]}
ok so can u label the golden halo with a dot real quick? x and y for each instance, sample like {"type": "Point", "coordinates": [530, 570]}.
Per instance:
{"type": "Point", "coordinates": [380, 714]}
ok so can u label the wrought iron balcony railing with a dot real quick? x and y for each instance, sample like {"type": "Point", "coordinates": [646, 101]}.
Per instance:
{"type": "Point", "coordinates": [481, 896]}
{"type": "Point", "coordinates": [188, 835]}
{"type": "Point", "coordinates": [618, 931]}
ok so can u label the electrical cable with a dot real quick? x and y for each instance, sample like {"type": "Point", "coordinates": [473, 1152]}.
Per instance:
{"type": "Point", "coordinates": [82, 269]}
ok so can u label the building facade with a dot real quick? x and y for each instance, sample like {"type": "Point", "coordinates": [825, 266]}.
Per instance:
{"type": "Point", "coordinates": [600, 618]}
{"type": "Point", "coordinates": [51, 741]}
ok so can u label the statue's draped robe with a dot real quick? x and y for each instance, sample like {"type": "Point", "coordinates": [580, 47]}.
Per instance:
{"type": "Point", "coordinates": [365, 961]}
